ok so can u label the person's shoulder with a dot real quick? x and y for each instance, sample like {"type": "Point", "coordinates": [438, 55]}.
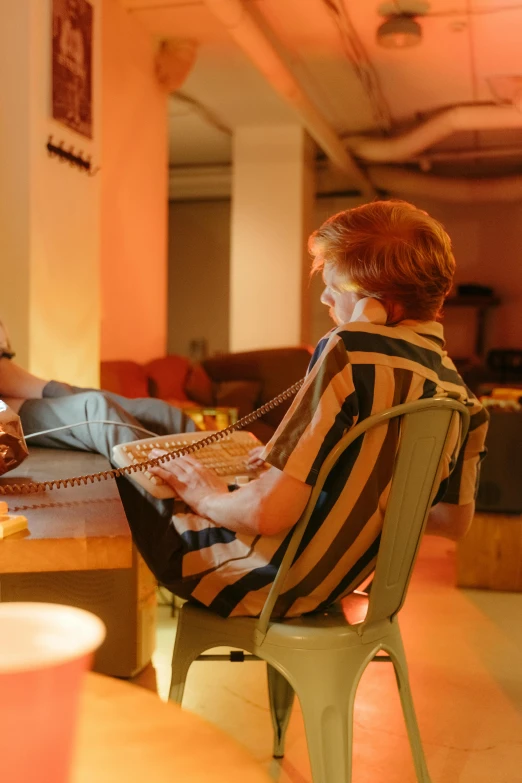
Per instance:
{"type": "Point", "coordinates": [322, 347]}
{"type": "Point", "coordinates": [363, 336]}
{"type": "Point", "coordinates": [354, 337]}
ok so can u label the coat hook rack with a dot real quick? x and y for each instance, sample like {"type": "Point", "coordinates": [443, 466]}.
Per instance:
{"type": "Point", "coordinates": [71, 157]}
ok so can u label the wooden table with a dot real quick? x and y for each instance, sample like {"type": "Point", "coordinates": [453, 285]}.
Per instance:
{"type": "Point", "coordinates": [78, 551]}
{"type": "Point", "coordinates": [128, 734]}
{"type": "Point", "coordinates": [73, 529]}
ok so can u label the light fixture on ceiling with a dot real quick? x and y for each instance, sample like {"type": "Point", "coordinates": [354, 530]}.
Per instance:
{"type": "Point", "coordinates": [399, 31]}
{"type": "Point", "coordinates": [174, 60]}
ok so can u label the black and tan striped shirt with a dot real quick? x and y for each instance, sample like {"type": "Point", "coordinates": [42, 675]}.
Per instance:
{"type": "Point", "coordinates": [357, 370]}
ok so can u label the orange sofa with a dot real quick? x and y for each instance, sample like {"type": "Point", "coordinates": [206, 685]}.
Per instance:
{"type": "Point", "coordinates": [239, 380]}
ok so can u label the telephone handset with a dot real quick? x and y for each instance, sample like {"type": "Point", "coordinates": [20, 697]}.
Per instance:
{"type": "Point", "coordinates": [40, 486]}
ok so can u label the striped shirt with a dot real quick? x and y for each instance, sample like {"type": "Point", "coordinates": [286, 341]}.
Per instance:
{"type": "Point", "coordinates": [357, 370]}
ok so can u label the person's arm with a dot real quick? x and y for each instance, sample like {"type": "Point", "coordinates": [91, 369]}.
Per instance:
{"type": "Point", "coordinates": [17, 382]}
{"type": "Point", "coordinates": [452, 517]}
{"type": "Point", "coordinates": [269, 505]}
{"type": "Point", "coordinates": [274, 502]}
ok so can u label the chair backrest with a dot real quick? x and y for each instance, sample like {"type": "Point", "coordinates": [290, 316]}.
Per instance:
{"type": "Point", "coordinates": [425, 428]}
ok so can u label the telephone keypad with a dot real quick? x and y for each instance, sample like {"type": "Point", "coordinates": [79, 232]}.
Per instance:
{"type": "Point", "coordinates": [227, 457]}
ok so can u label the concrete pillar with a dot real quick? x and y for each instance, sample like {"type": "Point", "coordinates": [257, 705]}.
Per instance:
{"type": "Point", "coordinates": [272, 202]}
{"type": "Point", "coordinates": [49, 211]}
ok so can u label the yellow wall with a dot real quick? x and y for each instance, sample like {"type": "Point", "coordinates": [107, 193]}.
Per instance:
{"type": "Point", "coordinates": [14, 182]}
{"type": "Point", "coordinates": [134, 194]}
{"type": "Point", "coordinates": [83, 259]}
{"type": "Point", "coordinates": [49, 237]}
{"type": "Point", "coordinates": [64, 230]}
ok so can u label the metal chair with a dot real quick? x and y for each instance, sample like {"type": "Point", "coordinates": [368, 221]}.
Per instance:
{"type": "Point", "coordinates": [322, 657]}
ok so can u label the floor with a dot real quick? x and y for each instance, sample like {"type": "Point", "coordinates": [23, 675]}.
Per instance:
{"type": "Point", "coordinates": [464, 653]}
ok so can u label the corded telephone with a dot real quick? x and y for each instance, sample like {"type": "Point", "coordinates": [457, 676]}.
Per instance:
{"type": "Point", "coordinates": [128, 470]}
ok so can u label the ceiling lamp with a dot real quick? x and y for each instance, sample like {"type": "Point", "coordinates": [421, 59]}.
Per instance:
{"type": "Point", "coordinates": [399, 31]}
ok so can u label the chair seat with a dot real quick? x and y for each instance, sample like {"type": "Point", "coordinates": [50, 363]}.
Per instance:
{"type": "Point", "coordinates": [322, 631]}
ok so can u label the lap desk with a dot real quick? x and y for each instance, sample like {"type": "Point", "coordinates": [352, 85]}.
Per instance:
{"type": "Point", "coordinates": [78, 551]}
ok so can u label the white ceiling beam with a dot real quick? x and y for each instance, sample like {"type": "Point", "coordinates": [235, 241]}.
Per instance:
{"type": "Point", "coordinates": [259, 43]}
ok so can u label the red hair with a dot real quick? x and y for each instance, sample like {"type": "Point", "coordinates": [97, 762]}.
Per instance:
{"type": "Point", "coordinates": [391, 251]}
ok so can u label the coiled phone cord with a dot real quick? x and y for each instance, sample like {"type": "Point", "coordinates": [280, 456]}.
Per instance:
{"type": "Point", "coordinates": [40, 486]}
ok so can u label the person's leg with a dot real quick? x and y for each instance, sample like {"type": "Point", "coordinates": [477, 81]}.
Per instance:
{"type": "Point", "coordinates": [154, 414]}
{"type": "Point", "coordinates": [83, 418]}
{"type": "Point", "coordinates": [60, 389]}
{"type": "Point", "coordinates": [150, 519]}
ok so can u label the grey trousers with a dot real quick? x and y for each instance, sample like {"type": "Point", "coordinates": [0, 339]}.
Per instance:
{"type": "Point", "coordinates": [150, 519]}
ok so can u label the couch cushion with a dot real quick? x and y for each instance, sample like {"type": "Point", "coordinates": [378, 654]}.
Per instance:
{"type": "Point", "coordinates": [167, 377]}
{"type": "Point", "coordinates": [198, 386]}
{"type": "Point", "coordinates": [124, 377]}
{"type": "Point", "coordinates": [275, 368]}
{"type": "Point", "coordinates": [243, 395]}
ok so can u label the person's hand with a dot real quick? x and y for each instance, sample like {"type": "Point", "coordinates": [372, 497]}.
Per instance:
{"type": "Point", "coordinates": [189, 478]}
{"type": "Point", "coordinates": [254, 458]}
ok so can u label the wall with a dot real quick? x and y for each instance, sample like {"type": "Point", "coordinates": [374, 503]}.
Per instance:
{"type": "Point", "coordinates": [84, 259]}
{"type": "Point", "coordinates": [64, 309]}
{"type": "Point", "coordinates": [273, 186]}
{"type": "Point", "coordinates": [199, 271]}
{"type": "Point", "coordinates": [134, 193]}
{"type": "Point", "coordinates": [49, 236]}
{"type": "Point", "coordinates": [487, 239]}
{"type": "Point", "coordinates": [487, 242]}
{"type": "Point", "coordinates": [14, 182]}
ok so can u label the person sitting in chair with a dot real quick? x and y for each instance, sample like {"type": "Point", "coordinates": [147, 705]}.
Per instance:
{"type": "Point", "coordinates": [387, 268]}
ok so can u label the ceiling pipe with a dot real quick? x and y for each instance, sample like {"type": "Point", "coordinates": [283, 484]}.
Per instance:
{"type": "Point", "coordinates": [215, 182]}
{"type": "Point", "coordinates": [457, 190]}
{"type": "Point", "coordinates": [261, 47]}
{"type": "Point", "coordinates": [481, 153]}
{"type": "Point", "coordinates": [462, 118]}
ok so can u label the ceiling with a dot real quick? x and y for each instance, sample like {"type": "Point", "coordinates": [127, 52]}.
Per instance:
{"type": "Point", "coordinates": [470, 54]}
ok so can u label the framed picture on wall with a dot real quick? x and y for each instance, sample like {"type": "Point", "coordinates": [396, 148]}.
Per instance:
{"type": "Point", "coordinates": [72, 64]}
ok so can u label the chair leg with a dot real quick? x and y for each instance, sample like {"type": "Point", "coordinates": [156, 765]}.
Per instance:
{"type": "Point", "coordinates": [180, 667]}
{"type": "Point", "coordinates": [403, 683]}
{"type": "Point", "coordinates": [326, 683]}
{"type": "Point", "coordinates": [189, 643]}
{"type": "Point", "coordinates": [328, 719]}
{"type": "Point", "coordinates": [187, 648]}
{"type": "Point", "coordinates": [281, 698]}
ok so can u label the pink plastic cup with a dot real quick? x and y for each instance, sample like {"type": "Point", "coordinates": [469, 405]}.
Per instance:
{"type": "Point", "coordinates": [45, 649]}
